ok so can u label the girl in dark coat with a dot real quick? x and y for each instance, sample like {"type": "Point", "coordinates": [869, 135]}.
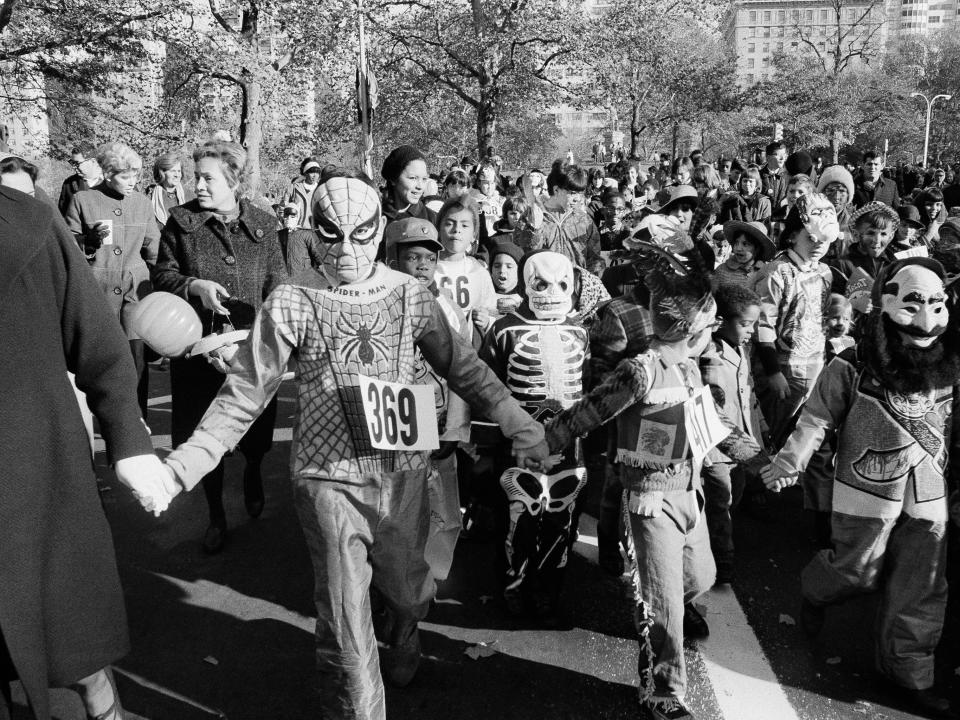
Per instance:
{"type": "Point", "coordinates": [222, 254]}
{"type": "Point", "coordinates": [62, 616]}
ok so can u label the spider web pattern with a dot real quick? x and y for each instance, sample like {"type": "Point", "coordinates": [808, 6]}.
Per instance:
{"type": "Point", "coordinates": [346, 202]}
{"type": "Point", "coordinates": [331, 437]}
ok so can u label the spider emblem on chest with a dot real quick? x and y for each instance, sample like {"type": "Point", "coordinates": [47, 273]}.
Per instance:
{"type": "Point", "coordinates": [362, 341]}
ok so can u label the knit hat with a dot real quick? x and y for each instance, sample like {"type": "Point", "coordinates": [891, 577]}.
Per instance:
{"type": "Point", "coordinates": [397, 160]}
{"type": "Point", "coordinates": [876, 207]}
{"type": "Point", "coordinates": [799, 163]}
{"type": "Point", "coordinates": [836, 173]}
{"type": "Point", "coordinates": [506, 248]}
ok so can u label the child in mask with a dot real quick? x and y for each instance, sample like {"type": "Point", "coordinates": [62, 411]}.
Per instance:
{"type": "Point", "coordinates": [541, 355]}
{"type": "Point", "coordinates": [504, 267]}
{"type": "Point", "coordinates": [793, 290]}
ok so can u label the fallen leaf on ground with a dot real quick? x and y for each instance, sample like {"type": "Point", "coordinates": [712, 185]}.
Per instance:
{"type": "Point", "coordinates": [211, 660]}
{"type": "Point", "coordinates": [834, 660]}
{"type": "Point", "coordinates": [480, 650]}
{"type": "Point", "coordinates": [786, 619]}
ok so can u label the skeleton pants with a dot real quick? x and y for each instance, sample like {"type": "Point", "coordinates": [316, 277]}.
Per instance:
{"type": "Point", "coordinates": [358, 534]}
{"type": "Point", "coordinates": [672, 565]}
{"type": "Point", "coordinates": [538, 533]}
{"type": "Point", "coordinates": [906, 559]}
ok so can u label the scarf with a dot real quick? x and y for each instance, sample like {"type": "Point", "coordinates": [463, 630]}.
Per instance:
{"type": "Point", "coordinates": [156, 199]}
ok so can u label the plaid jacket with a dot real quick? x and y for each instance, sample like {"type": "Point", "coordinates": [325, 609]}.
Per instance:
{"type": "Point", "coordinates": [622, 329]}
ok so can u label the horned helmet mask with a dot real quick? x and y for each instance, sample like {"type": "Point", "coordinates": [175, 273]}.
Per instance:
{"type": "Point", "coordinates": [913, 297]}
{"type": "Point", "coordinates": [349, 223]}
{"type": "Point", "coordinates": [548, 284]}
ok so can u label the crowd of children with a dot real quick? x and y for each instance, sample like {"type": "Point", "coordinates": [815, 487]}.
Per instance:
{"type": "Point", "coordinates": [725, 329]}
{"type": "Point", "coordinates": [749, 284]}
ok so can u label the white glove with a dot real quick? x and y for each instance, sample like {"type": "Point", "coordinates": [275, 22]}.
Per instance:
{"type": "Point", "coordinates": [146, 476]}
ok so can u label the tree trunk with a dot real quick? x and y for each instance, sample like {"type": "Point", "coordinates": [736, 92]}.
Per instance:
{"type": "Point", "coordinates": [636, 129]}
{"type": "Point", "coordinates": [487, 117]}
{"type": "Point", "coordinates": [251, 133]}
{"type": "Point", "coordinates": [676, 129]}
{"type": "Point", "coordinates": [835, 145]}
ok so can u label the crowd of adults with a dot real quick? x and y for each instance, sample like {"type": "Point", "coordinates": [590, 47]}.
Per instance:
{"type": "Point", "coordinates": [110, 239]}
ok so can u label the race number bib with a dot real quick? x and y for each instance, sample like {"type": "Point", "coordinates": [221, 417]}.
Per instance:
{"type": "Point", "coordinates": [399, 417]}
{"type": "Point", "coordinates": [460, 288]}
{"type": "Point", "coordinates": [703, 426]}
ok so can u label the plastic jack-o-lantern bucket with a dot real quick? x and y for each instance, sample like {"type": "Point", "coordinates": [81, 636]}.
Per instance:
{"type": "Point", "coordinates": [165, 322]}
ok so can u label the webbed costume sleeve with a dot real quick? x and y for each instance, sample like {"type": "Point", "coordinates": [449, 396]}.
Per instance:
{"type": "Point", "coordinates": [822, 415]}
{"type": "Point", "coordinates": [472, 379]}
{"type": "Point", "coordinates": [255, 375]}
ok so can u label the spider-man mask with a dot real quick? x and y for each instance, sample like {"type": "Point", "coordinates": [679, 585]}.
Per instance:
{"type": "Point", "coordinates": [349, 223]}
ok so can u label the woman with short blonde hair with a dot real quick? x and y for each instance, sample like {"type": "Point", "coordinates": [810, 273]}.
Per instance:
{"type": "Point", "coordinates": [167, 192]}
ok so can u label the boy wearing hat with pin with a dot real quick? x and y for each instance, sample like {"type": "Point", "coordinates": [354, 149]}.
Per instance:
{"type": "Point", "coordinates": [750, 249]}
{"type": "Point", "coordinates": [413, 247]}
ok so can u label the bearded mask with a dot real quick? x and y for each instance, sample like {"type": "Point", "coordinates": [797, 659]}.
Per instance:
{"type": "Point", "coordinates": [913, 298]}
{"type": "Point", "coordinates": [548, 285]}
{"type": "Point", "coordinates": [349, 224]}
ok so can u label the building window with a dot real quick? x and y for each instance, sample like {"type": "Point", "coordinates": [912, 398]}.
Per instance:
{"type": "Point", "coordinates": [766, 16]}
{"type": "Point", "coordinates": [795, 15]}
{"type": "Point", "coordinates": [808, 15]}
{"type": "Point", "coordinates": [779, 47]}
{"type": "Point", "coordinates": [753, 16]}
{"type": "Point", "coordinates": [781, 16]}
{"type": "Point", "coordinates": [750, 80]}
{"type": "Point", "coordinates": [765, 62]}
{"type": "Point", "coordinates": [766, 47]}
{"type": "Point", "coordinates": [751, 47]}
{"type": "Point", "coordinates": [934, 18]}
{"type": "Point", "coordinates": [766, 32]}
{"type": "Point", "coordinates": [751, 63]}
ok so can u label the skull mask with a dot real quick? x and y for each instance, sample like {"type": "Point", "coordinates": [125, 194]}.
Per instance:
{"type": "Point", "coordinates": [349, 224]}
{"type": "Point", "coordinates": [914, 299]}
{"type": "Point", "coordinates": [548, 284]}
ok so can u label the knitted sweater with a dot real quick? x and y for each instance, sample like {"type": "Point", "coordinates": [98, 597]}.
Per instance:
{"type": "Point", "coordinates": [646, 394]}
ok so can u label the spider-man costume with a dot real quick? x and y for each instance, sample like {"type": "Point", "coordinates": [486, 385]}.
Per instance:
{"type": "Point", "coordinates": [364, 511]}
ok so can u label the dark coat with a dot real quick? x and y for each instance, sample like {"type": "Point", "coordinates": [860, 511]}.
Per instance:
{"type": "Point", "coordinates": [245, 257]}
{"type": "Point", "coordinates": [61, 608]}
{"type": "Point", "coordinates": [884, 190]}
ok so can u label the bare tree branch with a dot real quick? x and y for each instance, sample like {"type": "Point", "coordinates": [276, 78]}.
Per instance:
{"type": "Point", "coordinates": [221, 20]}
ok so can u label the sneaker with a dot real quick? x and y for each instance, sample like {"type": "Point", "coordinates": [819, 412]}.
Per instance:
{"type": "Point", "coordinates": [665, 709]}
{"type": "Point", "coordinates": [694, 625]}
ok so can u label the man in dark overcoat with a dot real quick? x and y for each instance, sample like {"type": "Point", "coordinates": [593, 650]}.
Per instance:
{"type": "Point", "coordinates": [62, 616]}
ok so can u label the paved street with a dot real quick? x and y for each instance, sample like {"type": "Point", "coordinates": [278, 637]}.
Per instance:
{"type": "Point", "coordinates": [231, 635]}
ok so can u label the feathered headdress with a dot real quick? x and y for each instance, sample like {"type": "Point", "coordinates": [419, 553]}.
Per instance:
{"type": "Point", "coordinates": [681, 304]}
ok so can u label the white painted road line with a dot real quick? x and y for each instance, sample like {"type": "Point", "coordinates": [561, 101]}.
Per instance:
{"type": "Point", "coordinates": [745, 685]}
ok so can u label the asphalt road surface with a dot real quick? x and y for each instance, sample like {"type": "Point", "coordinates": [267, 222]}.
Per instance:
{"type": "Point", "coordinates": [232, 635]}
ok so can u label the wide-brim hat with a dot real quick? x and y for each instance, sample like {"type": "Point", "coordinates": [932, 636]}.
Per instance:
{"type": "Point", "coordinates": [677, 194]}
{"type": "Point", "coordinates": [756, 231]}
{"type": "Point", "coordinates": [910, 216]}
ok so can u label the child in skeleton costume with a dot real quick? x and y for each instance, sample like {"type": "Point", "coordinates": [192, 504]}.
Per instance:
{"type": "Point", "coordinates": [889, 401]}
{"type": "Point", "coordinates": [655, 396]}
{"type": "Point", "coordinates": [541, 355]}
{"type": "Point", "coordinates": [352, 328]}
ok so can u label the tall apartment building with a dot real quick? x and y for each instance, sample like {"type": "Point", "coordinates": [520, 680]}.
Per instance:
{"type": "Point", "coordinates": [757, 29]}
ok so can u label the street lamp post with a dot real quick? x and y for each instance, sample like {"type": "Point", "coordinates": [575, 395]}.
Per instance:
{"type": "Point", "coordinates": [926, 134]}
